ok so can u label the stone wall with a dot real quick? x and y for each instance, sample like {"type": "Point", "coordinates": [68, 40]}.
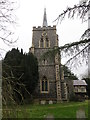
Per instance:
{"type": "Point", "coordinates": [51, 33]}
{"type": "Point", "coordinates": [46, 66]}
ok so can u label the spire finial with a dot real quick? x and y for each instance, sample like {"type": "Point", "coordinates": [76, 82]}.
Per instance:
{"type": "Point", "coordinates": [45, 18]}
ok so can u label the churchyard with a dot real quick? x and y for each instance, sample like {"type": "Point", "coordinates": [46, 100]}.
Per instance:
{"type": "Point", "coordinates": [59, 110]}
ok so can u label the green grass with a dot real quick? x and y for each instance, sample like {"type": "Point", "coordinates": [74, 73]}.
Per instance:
{"type": "Point", "coordinates": [59, 110]}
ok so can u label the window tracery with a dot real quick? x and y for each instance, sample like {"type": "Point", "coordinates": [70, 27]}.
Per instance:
{"type": "Point", "coordinates": [44, 41]}
{"type": "Point", "coordinates": [44, 85]}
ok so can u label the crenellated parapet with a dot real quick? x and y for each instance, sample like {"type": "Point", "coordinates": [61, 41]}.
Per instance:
{"type": "Point", "coordinates": [44, 37]}
{"type": "Point", "coordinates": [40, 28]}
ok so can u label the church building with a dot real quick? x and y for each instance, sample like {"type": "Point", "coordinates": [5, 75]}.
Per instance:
{"type": "Point", "coordinates": [51, 86]}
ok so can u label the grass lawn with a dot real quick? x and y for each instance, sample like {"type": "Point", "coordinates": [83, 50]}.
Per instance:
{"type": "Point", "coordinates": [59, 110]}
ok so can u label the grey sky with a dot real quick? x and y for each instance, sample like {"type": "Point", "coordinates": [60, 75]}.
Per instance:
{"type": "Point", "coordinates": [30, 13]}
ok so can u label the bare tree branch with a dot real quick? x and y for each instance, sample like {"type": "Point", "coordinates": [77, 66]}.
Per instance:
{"type": "Point", "coordinates": [82, 51]}
{"type": "Point", "coordinates": [80, 48]}
{"type": "Point", "coordinates": [80, 10]}
{"type": "Point", "coordinates": [82, 42]}
{"type": "Point", "coordinates": [7, 20]}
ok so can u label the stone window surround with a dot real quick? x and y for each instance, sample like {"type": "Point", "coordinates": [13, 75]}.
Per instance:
{"type": "Point", "coordinates": [44, 42]}
{"type": "Point", "coordinates": [44, 86]}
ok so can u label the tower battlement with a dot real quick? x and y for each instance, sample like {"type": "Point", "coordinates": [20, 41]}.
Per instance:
{"type": "Point", "coordinates": [44, 28]}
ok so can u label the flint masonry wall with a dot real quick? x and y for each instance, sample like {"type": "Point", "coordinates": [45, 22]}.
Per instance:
{"type": "Point", "coordinates": [48, 69]}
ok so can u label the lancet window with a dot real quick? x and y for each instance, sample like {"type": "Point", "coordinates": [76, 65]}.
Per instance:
{"type": "Point", "coordinates": [44, 85]}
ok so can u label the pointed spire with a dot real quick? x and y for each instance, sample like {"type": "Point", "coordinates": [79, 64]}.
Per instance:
{"type": "Point", "coordinates": [45, 19]}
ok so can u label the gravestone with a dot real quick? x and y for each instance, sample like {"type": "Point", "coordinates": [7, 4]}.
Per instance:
{"type": "Point", "coordinates": [49, 117]}
{"type": "Point", "coordinates": [50, 102]}
{"type": "Point", "coordinates": [43, 102]}
{"type": "Point", "coordinates": [80, 114]}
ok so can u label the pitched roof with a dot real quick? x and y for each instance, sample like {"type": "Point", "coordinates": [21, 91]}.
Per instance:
{"type": "Point", "coordinates": [79, 82]}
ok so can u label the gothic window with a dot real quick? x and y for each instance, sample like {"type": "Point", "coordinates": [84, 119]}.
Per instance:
{"type": "Point", "coordinates": [47, 42]}
{"type": "Point", "coordinates": [44, 85]}
{"type": "Point", "coordinates": [44, 42]}
{"type": "Point", "coordinates": [41, 42]}
{"type": "Point", "coordinates": [44, 62]}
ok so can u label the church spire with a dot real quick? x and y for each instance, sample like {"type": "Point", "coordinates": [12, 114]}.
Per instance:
{"type": "Point", "coordinates": [45, 18]}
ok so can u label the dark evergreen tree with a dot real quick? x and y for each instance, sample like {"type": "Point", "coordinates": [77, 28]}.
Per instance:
{"type": "Point", "coordinates": [88, 86]}
{"type": "Point", "coordinates": [68, 74]}
{"type": "Point", "coordinates": [31, 72]}
{"type": "Point", "coordinates": [20, 73]}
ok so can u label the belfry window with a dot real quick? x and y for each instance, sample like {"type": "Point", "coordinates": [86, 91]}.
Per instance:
{"type": "Point", "coordinates": [44, 62]}
{"type": "Point", "coordinates": [47, 42]}
{"type": "Point", "coordinates": [41, 42]}
{"type": "Point", "coordinates": [44, 85]}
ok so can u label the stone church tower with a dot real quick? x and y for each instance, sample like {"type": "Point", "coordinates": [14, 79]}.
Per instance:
{"type": "Point", "coordinates": [50, 82]}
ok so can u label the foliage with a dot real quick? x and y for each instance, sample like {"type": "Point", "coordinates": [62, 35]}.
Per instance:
{"type": "Point", "coordinates": [78, 51]}
{"type": "Point", "coordinates": [20, 75]}
{"type": "Point", "coordinates": [81, 10]}
{"type": "Point", "coordinates": [76, 98]}
{"type": "Point", "coordinates": [7, 23]}
{"type": "Point", "coordinates": [31, 72]}
{"type": "Point", "coordinates": [88, 86]}
{"type": "Point", "coordinates": [75, 50]}
{"type": "Point", "coordinates": [73, 97]}
{"type": "Point", "coordinates": [68, 74]}
{"type": "Point", "coordinates": [50, 53]}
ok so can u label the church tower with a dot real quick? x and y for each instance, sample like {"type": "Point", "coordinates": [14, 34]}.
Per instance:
{"type": "Point", "coordinates": [49, 85]}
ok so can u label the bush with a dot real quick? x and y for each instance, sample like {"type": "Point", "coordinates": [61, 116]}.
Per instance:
{"type": "Point", "coordinates": [76, 98]}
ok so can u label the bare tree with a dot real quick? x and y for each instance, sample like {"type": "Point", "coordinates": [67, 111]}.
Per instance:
{"type": "Point", "coordinates": [7, 23]}
{"type": "Point", "coordinates": [7, 20]}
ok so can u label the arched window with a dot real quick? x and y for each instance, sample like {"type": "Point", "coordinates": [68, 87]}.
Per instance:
{"type": "Point", "coordinates": [44, 85]}
{"type": "Point", "coordinates": [44, 62]}
{"type": "Point", "coordinates": [47, 42]}
{"type": "Point", "coordinates": [41, 42]}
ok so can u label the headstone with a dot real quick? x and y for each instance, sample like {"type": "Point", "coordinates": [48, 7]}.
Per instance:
{"type": "Point", "coordinates": [80, 114]}
{"type": "Point", "coordinates": [43, 102]}
{"type": "Point", "coordinates": [50, 102]}
{"type": "Point", "coordinates": [49, 117]}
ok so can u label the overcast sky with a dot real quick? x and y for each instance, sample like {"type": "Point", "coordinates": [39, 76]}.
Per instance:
{"type": "Point", "coordinates": [30, 13]}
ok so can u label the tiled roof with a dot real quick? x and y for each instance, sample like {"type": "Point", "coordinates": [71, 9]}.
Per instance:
{"type": "Point", "coordinates": [79, 82]}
